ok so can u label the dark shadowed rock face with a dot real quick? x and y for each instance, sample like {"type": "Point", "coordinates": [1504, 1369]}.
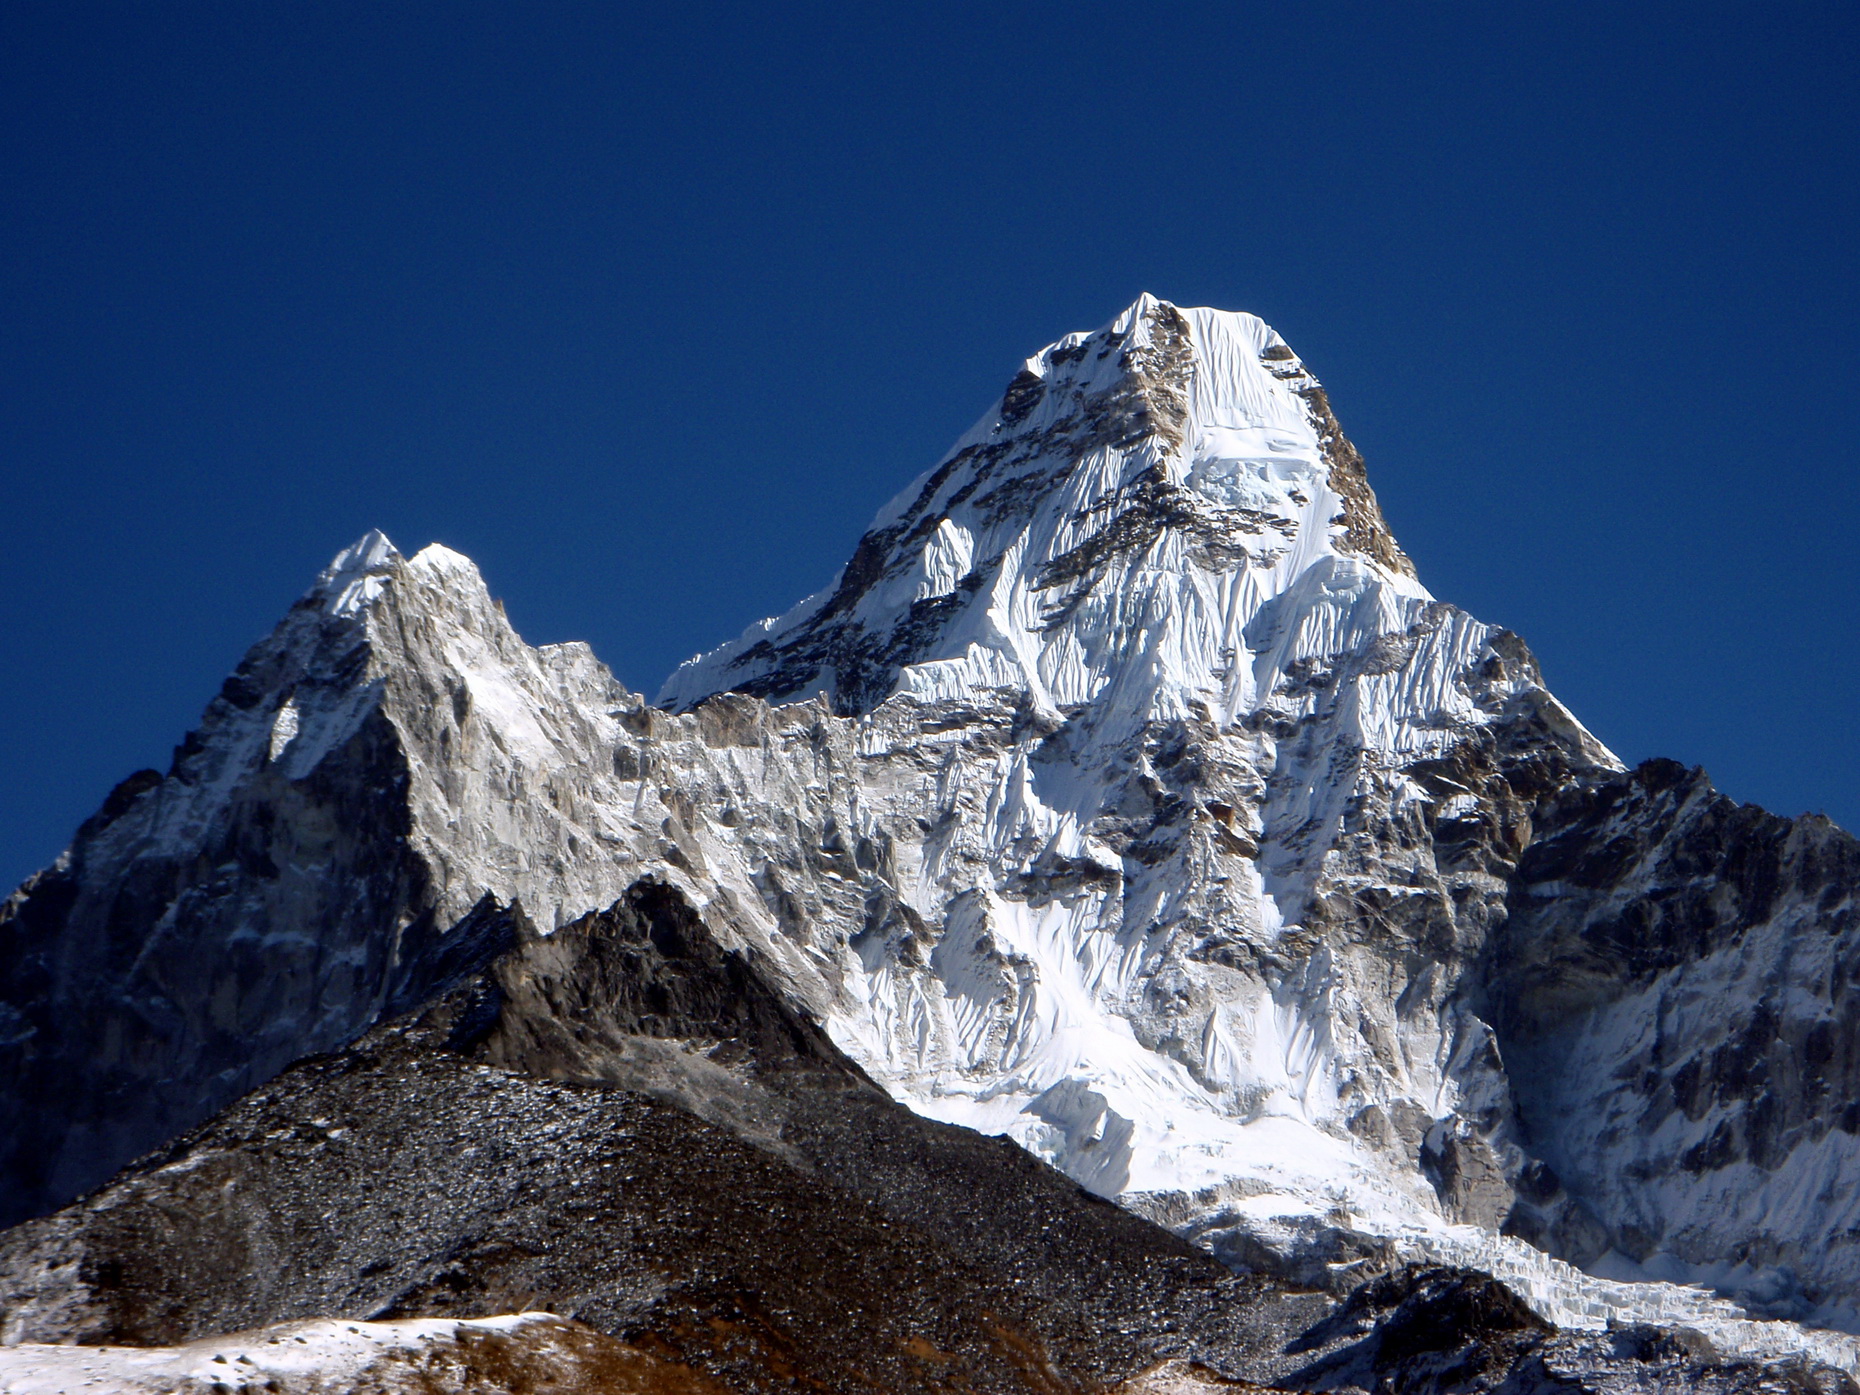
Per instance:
{"type": "Point", "coordinates": [116, 1031]}
{"type": "Point", "coordinates": [1674, 995]}
{"type": "Point", "coordinates": [576, 1004]}
{"type": "Point", "coordinates": [1423, 1330]}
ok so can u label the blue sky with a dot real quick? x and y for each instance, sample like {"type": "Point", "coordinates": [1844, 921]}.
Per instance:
{"type": "Point", "coordinates": [649, 312]}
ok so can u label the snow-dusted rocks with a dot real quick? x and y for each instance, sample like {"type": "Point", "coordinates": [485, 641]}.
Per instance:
{"type": "Point", "coordinates": [1126, 793]}
{"type": "Point", "coordinates": [1675, 989]}
{"type": "Point", "coordinates": [388, 757]}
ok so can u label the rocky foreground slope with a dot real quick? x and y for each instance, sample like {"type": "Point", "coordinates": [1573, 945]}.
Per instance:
{"type": "Point", "coordinates": [1126, 795]}
{"type": "Point", "coordinates": [613, 1159]}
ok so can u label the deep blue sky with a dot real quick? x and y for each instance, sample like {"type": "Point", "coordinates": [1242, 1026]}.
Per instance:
{"type": "Point", "coordinates": [648, 313]}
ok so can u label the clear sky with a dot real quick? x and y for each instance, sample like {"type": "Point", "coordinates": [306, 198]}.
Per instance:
{"type": "Point", "coordinates": [649, 308]}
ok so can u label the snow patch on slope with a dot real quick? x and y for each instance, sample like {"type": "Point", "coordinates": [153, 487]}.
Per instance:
{"type": "Point", "coordinates": [421, 1356]}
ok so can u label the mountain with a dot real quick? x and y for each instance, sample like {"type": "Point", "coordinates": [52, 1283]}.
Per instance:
{"type": "Point", "coordinates": [1126, 795]}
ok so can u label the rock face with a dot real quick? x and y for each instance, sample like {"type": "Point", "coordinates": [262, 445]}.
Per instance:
{"type": "Point", "coordinates": [1674, 993]}
{"type": "Point", "coordinates": [1126, 794]}
{"type": "Point", "coordinates": [206, 928]}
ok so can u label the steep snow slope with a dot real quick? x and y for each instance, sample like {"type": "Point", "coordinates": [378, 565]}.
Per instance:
{"type": "Point", "coordinates": [1106, 537]}
{"type": "Point", "coordinates": [1128, 795]}
{"type": "Point", "coordinates": [1219, 922]}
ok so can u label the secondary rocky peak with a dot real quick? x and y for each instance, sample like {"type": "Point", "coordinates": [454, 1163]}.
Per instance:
{"type": "Point", "coordinates": [369, 568]}
{"type": "Point", "coordinates": [258, 900]}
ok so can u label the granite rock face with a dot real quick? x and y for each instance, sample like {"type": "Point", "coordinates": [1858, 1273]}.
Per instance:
{"type": "Point", "coordinates": [207, 928]}
{"type": "Point", "coordinates": [1674, 994]}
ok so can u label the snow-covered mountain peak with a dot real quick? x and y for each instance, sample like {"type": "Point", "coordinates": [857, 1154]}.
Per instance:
{"type": "Point", "coordinates": [1109, 530]}
{"type": "Point", "coordinates": [360, 575]}
{"type": "Point", "coordinates": [353, 577]}
{"type": "Point", "coordinates": [1129, 688]}
{"type": "Point", "coordinates": [440, 560]}
{"type": "Point", "coordinates": [1150, 812]}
